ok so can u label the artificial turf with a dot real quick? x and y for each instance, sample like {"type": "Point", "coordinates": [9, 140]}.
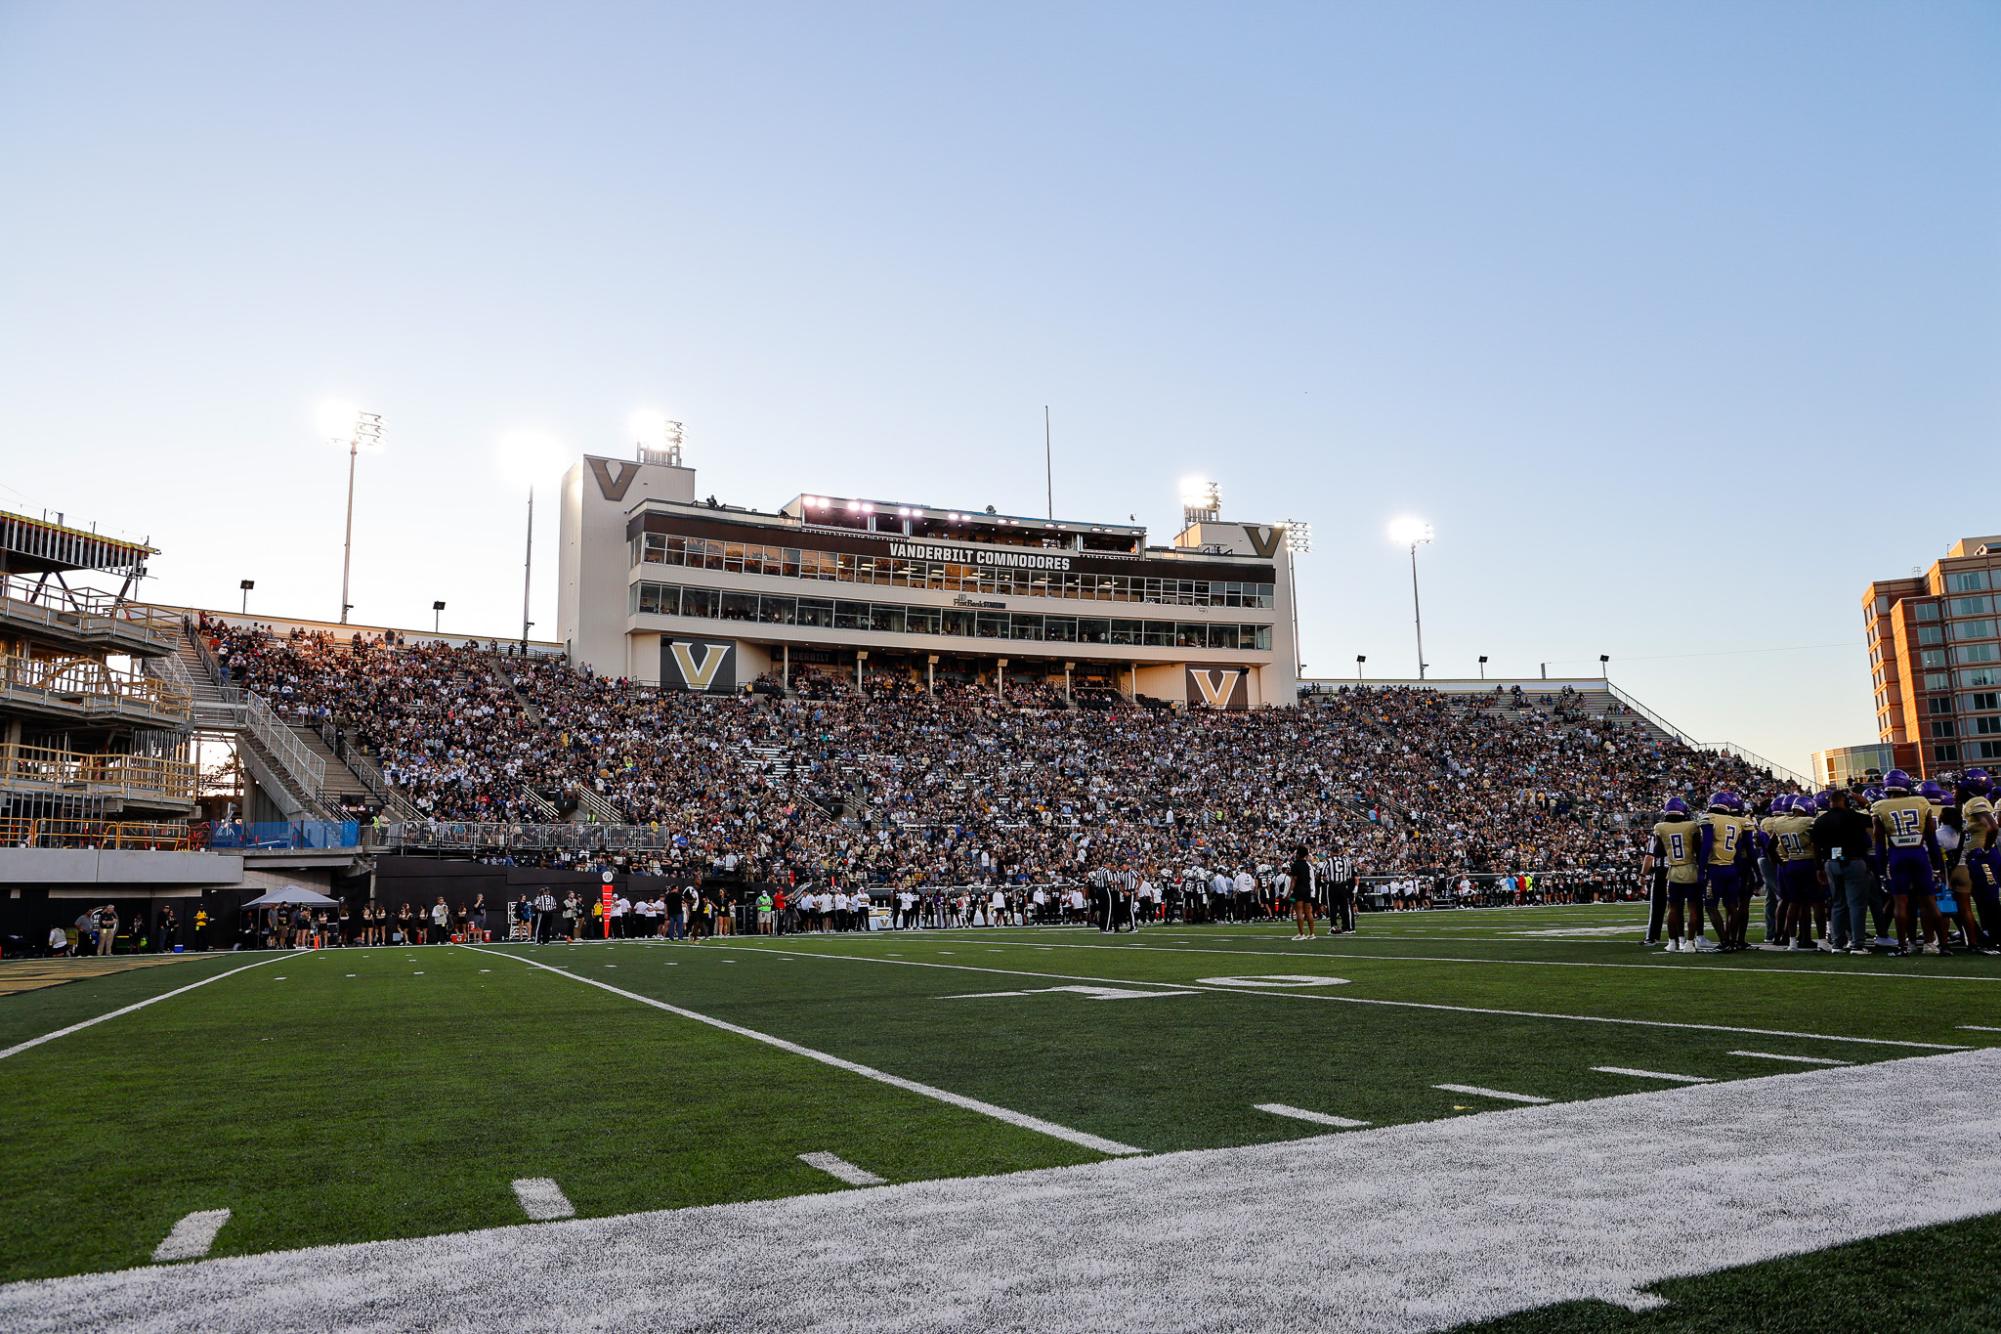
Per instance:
{"type": "Point", "coordinates": [365, 1094]}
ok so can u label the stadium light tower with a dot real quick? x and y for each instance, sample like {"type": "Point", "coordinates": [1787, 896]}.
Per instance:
{"type": "Point", "coordinates": [1360, 658]}
{"type": "Point", "coordinates": [345, 424]}
{"type": "Point", "coordinates": [1298, 542]}
{"type": "Point", "coordinates": [1201, 501]}
{"type": "Point", "coordinates": [437, 615]}
{"type": "Point", "coordinates": [1483, 666]}
{"type": "Point", "coordinates": [246, 585]}
{"type": "Point", "coordinates": [1415, 533]}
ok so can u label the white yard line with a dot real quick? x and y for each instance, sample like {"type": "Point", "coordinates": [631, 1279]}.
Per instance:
{"type": "Point", "coordinates": [1025, 1251]}
{"type": "Point", "coordinates": [1652, 1074]}
{"type": "Point", "coordinates": [1317, 1118]}
{"type": "Point", "coordinates": [78, 1027]}
{"type": "Point", "coordinates": [1795, 1060]}
{"type": "Point", "coordinates": [1502, 1094]}
{"type": "Point", "coordinates": [998, 1113]}
{"type": "Point", "coordinates": [1318, 995]}
{"type": "Point", "coordinates": [1979, 1028]}
{"type": "Point", "coordinates": [1833, 973]}
{"type": "Point", "coordinates": [542, 1199]}
{"type": "Point", "coordinates": [192, 1236]}
{"type": "Point", "coordinates": [836, 1166]}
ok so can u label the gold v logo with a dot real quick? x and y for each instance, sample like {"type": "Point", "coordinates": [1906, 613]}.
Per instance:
{"type": "Point", "coordinates": [1216, 686]}
{"type": "Point", "coordinates": [1264, 539]}
{"type": "Point", "coordinates": [699, 675]}
{"type": "Point", "coordinates": [613, 486]}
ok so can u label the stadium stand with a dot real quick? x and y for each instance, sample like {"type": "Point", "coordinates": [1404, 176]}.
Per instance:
{"type": "Point", "coordinates": [887, 785]}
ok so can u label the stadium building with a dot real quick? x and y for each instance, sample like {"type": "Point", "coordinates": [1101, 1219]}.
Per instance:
{"type": "Point", "coordinates": [697, 595]}
{"type": "Point", "coordinates": [1934, 643]}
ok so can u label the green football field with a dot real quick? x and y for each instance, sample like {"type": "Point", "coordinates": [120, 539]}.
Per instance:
{"type": "Point", "coordinates": [364, 1095]}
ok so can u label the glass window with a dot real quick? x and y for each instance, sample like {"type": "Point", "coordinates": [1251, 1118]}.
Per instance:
{"type": "Point", "coordinates": [1938, 704]}
{"type": "Point", "coordinates": [922, 620]}
{"type": "Point", "coordinates": [1967, 581]}
{"type": "Point", "coordinates": [1125, 632]}
{"type": "Point", "coordinates": [739, 607]}
{"type": "Point", "coordinates": [1942, 727]}
{"type": "Point", "coordinates": [890, 619]}
{"type": "Point", "coordinates": [1091, 630]}
{"type": "Point", "coordinates": [1979, 606]}
{"type": "Point", "coordinates": [788, 564]}
{"type": "Point", "coordinates": [1983, 629]}
{"type": "Point", "coordinates": [1987, 726]}
{"type": "Point", "coordinates": [991, 625]}
{"type": "Point", "coordinates": [1935, 657]}
{"type": "Point", "coordinates": [1191, 636]}
{"type": "Point", "coordinates": [1025, 627]}
{"type": "Point", "coordinates": [1976, 653]}
{"type": "Point", "coordinates": [1158, 632]}
{"type": "Point", "coordinates": [1261, 636]}
{"type": "Point", "coordinates": [1931, 634]}
{"type": "Point", "coordinates": [778, 610]}
{"type": "Point", "coordinates": [957, 622]}
{"type": "Point", "coordinates": [1934, 680]}
{"type": "Point", "coordinates": [1947, 753]}
{"type": "Point", "coordinates": [1925, 611]}
{"type": "Point", "coordinates": [1063, 628]}
{"type": "Point", "coordinates": [698, 602]}
{"type": "Point", "coordinates": [1983, 750]}
{"type": "Point", "coordinates": [1978, 676]}
{"type": "Point", "coordinates": [816, 612]}
{"type": "Point", "coordinates": [851, 616]}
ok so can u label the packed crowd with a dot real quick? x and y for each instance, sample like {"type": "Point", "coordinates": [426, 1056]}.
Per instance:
{"type": "Point", "coordinates": [887, 784]}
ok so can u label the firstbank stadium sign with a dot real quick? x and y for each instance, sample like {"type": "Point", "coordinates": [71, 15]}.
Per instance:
{"type": "Point", "coordinates": [1015, 560]}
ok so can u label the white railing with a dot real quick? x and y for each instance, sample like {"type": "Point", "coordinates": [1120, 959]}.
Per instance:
{"type": "Point", "coordinates": [306, 768]}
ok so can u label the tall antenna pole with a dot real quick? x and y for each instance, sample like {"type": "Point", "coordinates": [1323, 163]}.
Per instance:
{"type": "Point", "coordinates": [527, 572]}
{"type": "Point", "coordinates": [1048, 466]}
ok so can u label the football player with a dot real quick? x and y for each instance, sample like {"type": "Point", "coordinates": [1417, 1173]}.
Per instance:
{"type": "Point", "coordinates": [1674, 850]}
{"type": "Point", "coordinates": [1728, 847]}
{"type": "Point", "coordinates": [1803, 906]}
{"type": "Point", "coordinates": [1906, 836]}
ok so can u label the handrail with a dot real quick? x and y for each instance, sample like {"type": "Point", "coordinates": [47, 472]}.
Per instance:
{"type": "Point", "coordinates": [99, 683]}
{"type": "Point", "coordinates": [81, 611]}
{"type": "Point", "coordinates": [1729, 748]}
{"type": "Point", "coordinates": [596, 806]}
{"type": "Point", "coordinates": [67, 770]}
{"type": "Point", "coordinates": [149, 835]}
{"type": "Point", "coordinates": [290, 752]}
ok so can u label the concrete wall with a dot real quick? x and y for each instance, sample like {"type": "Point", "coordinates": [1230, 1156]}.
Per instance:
{"type": "Point", "coordinates": [593, 555]}
{"type": "Point", "coordinates": [119, 867]}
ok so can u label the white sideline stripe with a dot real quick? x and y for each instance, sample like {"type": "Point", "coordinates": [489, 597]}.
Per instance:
{"type": "Point", "coordinates": [192, 1236]}
{"type": "Point", "coordinates": [1652, 1074]}
{"type": "Point", "coordinates": [542, 1199]}
{"type": "Point", "coordinates": [1317, 1118]}
{"type": "Point", "coordinates": [998, 1113]}
{"type": "Point", "coordinates": [1316, 995]}
{"type": "Point", "coordinates": [835, 1166]}
{"type": "Point", "coordinates": [78, 1027]}
{"type": "Point", "coordinates": [1594, 1200]}
{"type": "Point", "coordinates": [1502, 1094]}
{"type": "Point", "coordinates": [1835, 973]}
{"type": "Point", "coordinates": [1796, 1060]}
{"type": "Point", "coordinates": [1979, 1028]}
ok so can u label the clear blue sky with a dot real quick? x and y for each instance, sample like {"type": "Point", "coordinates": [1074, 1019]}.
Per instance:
{"type": "Point", "coordinates": [1680, 321]}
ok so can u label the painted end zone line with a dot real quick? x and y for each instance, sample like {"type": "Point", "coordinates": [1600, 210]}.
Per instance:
{"type": "Point", "coordinates": [1317, 1118]}
{"type": "Point", "coordinates": [20, 1047]}
{"type": "Point", "coordinates": [1651, 1074]}
{"type": "Point", "coordinates": [1796, 1060]}
{"type": "Point", "coordinates": [1502, 1094]}
{"type": "Point", "coordinates": [542, 1199]}
{"type": "Point", "coordinates": [836, 1166]}
{"type": "Point", "coordinates": [1013, 1118]}
{"type": "Point", "coordinates": [192, 1236]}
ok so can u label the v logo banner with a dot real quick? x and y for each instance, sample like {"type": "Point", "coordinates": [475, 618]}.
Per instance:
{"type": "Point", "coordinates": [1264, 540]}
{"type": "Point", "coordinates": [700, 674]}
{"type": "Point", "coordinates": [1217, 686]}
{"type": "Point", "coordinates": [613, 486]}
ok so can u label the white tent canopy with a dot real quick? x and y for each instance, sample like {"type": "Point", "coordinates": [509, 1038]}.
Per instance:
{"type": "Point", "coordinates": [292, 896]}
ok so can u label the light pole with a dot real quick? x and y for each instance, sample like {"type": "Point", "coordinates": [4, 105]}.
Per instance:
{"type": "Point", "coordinates": [1415, 532]}
{"type": "Point", "coordinates": [1604, 670]}
{"type": "Point", "coordinates": [345, 424]}
{"type": "Point", "coordinates": [1360, 658]}
{"type": "Point", "coordinates": [1298, 542]}
{"type": "Point", "coordinates": [527, 572]}
{"type": "Point", "coordinates": [437, 614]}
{"type": "Point", "coordinates": [246, 585]}
{"type": "Point", "coordinates": [1483, 666]}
